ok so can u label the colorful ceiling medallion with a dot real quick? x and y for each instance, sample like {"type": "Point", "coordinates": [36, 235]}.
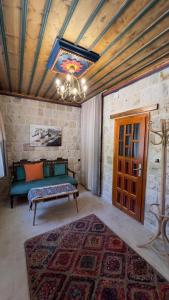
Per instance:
{"type": "Point", "coordinates": [66, 55]}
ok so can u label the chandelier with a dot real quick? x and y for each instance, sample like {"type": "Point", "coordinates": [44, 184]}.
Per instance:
{"type": "Point", "coordinates": [73, 61]}
{"type": "Point", "coordinates": [71, 89]}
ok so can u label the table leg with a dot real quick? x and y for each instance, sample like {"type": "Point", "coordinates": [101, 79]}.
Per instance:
{"type": "Point", "coordinates": [30, 207]}
{"type": "Point", "coordinates": [34, 214]}
{"type": "Point", "coordinates": [76, 204]}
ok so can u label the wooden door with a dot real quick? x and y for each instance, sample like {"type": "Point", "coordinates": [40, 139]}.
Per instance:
{"type": "Point", "coordinates": [129, 171]}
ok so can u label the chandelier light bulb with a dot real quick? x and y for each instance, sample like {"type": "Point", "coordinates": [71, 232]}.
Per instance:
{"type": "Point", "coordinates": [71, 88]}
{"type": "Point", "coordinates": [83, 81]}
{"type": "Point", "coordinates": [74, 91]}
{"type": "Point", "coordinates": [62, 88]}
{"type": "Point", "coordinates": [68, 77]}
{"type": "Point", "coordinates": [85, 88]}
{"type": "Point", "coordinates": [58, 82]}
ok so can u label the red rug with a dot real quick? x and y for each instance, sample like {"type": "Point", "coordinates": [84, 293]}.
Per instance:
{"type": "Point", "coordinates": [85, 260]}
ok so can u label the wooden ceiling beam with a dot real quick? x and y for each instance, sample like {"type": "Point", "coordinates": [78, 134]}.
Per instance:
{"type": "Point", "coordinates": [41, 83]}
{"type": "Point", "coordinates": [121, 10]}
{"type": "Point", "coordinates": [84, 29]}
{"type": "Point", "coordinates": [131, 56]}
{"type": "Point", "coordinates": [123, 83]}
{"type": "Point", "coordinates": [49, 87]}
{"type": "Point", "coordinates": [2, 28]}
{"type": "Point", "coordinates": [40, 39]}
{"type": "Point", "coordinates": [149, 55]}
{"type": "Point", "coordinates": [24, 13]}
{"type": "Point", "coordinates": [150, 5]}
{"type": "Point", "coordinates": [132, 23]}
{"type": "Point", "coordinates": [131, 35]}
{"type": "Point", "coordinates": [110, 24]}
{"type": "Point", "coordinates": [53, 94]}
{"type": "Point", "coordinates": [69, 15]}
{"type": "Point", "coordinates": [130, 43]}
{"type": "Point", "coordinates": [60, 34]}
{"type": "Point", "coordinates": [30, 97]}
{"type": "Point", "coordinates": [153, 69]}
{"type": "Point", "coordinates": [90, 21]}
{"type": "Point", "coordinates": [141, 14]}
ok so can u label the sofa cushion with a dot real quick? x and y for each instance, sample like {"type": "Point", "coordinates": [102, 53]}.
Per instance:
{"type": "Point", "coordinates": [20, 173]}
{"type": "Point", "coordinates": [22, 187]}
{"type": "Point", "coordinates": [59, 169]}
{"type": "Point", "coordinates": [33, 171]}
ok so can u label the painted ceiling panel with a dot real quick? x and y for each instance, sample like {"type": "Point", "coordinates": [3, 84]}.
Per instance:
{"type": "Point", "coordinates": [130, 35]}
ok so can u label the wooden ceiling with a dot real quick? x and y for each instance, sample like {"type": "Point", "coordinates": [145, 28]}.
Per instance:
{"type": "Point", "coordinates": [132, 37]}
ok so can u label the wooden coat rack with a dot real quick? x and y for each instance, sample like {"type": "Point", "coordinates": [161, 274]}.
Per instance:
{"type": "Point", "coordinates": [162, 214]}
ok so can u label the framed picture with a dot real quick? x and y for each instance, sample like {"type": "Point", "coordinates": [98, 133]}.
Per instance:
{"type": "Point", "coordinates": [45, 136]}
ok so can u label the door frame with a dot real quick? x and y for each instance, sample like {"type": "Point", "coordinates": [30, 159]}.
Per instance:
{"type": "Point", "coordinates": [145, 159]}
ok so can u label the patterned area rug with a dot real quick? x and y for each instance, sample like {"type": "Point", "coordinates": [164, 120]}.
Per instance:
{"type": "Point", "coordinates": [85, 260]}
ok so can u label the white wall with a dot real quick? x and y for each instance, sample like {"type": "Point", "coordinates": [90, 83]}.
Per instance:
{"type": "Point", "coordinates": [151, 90]}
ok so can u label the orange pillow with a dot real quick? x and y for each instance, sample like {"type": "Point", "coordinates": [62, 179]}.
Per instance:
{"type": "Point", "coordinates": [33, 171]}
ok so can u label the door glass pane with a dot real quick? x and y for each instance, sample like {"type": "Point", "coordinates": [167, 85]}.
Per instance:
{"type": "Point", "coordinates": [128, 140]}
{"type": "Point", "coordinates": [127, 170]}
{"type": "Point", "coordinates": [125, 200]}
{"type": "Point", "coordinates": [126, 184]}
{"type": "Point", "coordinates": [120, 165]}
{"type": "Point", "coordinates": [128, 128]}
{"type": "Point", "coordinates": [118, 196]}
{"type": "Point", "coordinates": [132, 205]}
{"type": "Point", "coordinates": [121, 132]}
{"type": "Point", "coordinates": [135, 150]}
{"type": "Point", "coordinates": [119, 181]}
{"type": "Point", "coordinates": [121, 148]}
{"type": "Point", "coordinates": [136, 131]}
{"type": "Point", "coordinates": [134, 171]}
{"type": "Point", "coordinates": [127, 152]}
{"type": "Point", "coordinates": [133, 187]}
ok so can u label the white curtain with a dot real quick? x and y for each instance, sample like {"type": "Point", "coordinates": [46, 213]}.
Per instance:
{"type": "Point", "coordinates": [91, 115]}
{"type": "Point", "coordinates": [3, 158]}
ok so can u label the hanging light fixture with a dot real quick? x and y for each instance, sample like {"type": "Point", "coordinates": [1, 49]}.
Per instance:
{"type": "Point", "coordinates": [73, 61]}
{"type": "Point", "coordinates": [72, 89]}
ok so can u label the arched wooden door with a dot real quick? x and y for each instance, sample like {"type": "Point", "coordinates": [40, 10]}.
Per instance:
{"type": "Point", "coordinates": [129, 170]}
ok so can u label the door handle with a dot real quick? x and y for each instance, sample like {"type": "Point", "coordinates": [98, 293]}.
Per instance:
{"type": "Point", "coordinates": [139, 169]}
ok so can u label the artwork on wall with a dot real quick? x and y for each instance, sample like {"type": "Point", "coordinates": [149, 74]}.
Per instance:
{"type": "Point", "coordinates": [44, 135]}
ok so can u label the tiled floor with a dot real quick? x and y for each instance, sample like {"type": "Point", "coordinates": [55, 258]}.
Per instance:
{"type": "Point", "coordinates": [16, 227]}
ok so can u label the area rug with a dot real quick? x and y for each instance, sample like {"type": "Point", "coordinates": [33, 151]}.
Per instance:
{"type": "Point", "coordinates": [85, 260]}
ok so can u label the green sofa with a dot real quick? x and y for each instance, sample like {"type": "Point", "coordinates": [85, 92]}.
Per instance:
{"type": "Point", "coordinates": [55, 172]}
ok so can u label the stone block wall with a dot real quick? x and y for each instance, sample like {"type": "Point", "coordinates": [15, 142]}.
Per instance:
{"type": "Point", "coordinates": [18, 114]}
{"type": "Point", "coordinates": [151, 90]}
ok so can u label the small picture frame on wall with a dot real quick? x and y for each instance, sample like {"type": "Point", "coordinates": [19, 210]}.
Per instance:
{"type": "Point", "coordinates": [45, 136]}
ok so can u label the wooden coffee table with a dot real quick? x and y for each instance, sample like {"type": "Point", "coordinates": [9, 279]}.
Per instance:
{"type": "Point", "coordinates": [49, 193]}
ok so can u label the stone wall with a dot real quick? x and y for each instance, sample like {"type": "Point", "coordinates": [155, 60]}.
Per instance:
{"type": "Point", "coordinates": [151, 90]}
{"type": "Point", "coordinates": [18, 114]}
